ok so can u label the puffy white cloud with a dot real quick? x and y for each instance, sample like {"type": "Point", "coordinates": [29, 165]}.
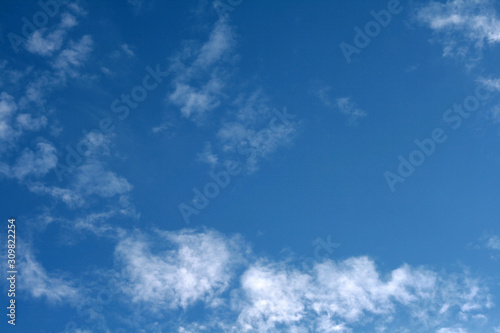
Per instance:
{"type": "Point", "coordinates": [345, 293]}
{"type": "Point", "coordinates": [186, 268]}
{"type": "Point", "coordinates": [179, 270]}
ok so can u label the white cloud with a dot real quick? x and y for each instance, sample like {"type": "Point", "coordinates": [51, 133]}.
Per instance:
{"type": "Point", "coordinates": [33, 163]}
{"type": "Point", "coordinates": [200, 74]}
{"type": "Point", "coordinates": [349, 292]}
{"type": "Point", "coordinates": [343, 104]}
{"type": "Point", "coordinates": [12, 127]}
{"type": "Point", "coordinates": [196, 101]}
{"type": "Point", "coordinates": [179, 270]}
{"type": "Point", "coordinates": [67, 63]}
{"type": "Point", "coordinates": [493, 243]}
{"type": "Point", "coordinates": [7, 109]}
{"type": "Point", "coordinates": [74, 56]}
{"type": "Point", "coordinates": [93, 178]}
{"type": "Point", "coordinates": [46, 41]}
{"type": "Point", "coordinates": [459, 24]}
{"type": "Point", "coordinates": [220, 43]}
{"type": "Point", "coordinates": [26, 121]}
{"type": "Point", "coordinates": [349, 108]}
{"type": "Point", "coordinates": [254, 144]}
{"type": "Point", "coordinates": [128, 51]}
{"type": "Point", "coordinates": [185, 269]}
{"type": "Point", "coordinates": [69, 197]}
{"type": "Point", "coordinates": [90, 179]}
{"type": "Point", "coordinates": [161, 128]}
{"type": "Point", "coordinates": [39, 283]}
{"type": "Point", "coordinates": [208, 156]}
{"type": "Point", "coordinates": [45, 45]}
{"type": "Point", "coordinates": [451, 330]}
{"type": "Point", "coordinates": [200, 85]}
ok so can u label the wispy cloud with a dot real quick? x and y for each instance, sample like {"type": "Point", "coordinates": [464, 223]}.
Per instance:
{"type": "Point", "coordinates": [201, 76]}
{"type": "Point", "coordinates": [74, 56]}
{"type": "Point", "coordinates": [208, 156]}
{"type": "Point", "coordinates": [91, 179]}
{"type": "Point", "coordinates": [41, 284]}
{"type": "Point", "coordinates": [46, 41]}
{"type": "Point", "coordinates": [493, 243]}
{"type": "Point", "coordinates": [343, 104]}
{"type": "Point", "coordinates": [128, 51]}
{"type": "Point", "coordinates": [35, 163]}
{"type": "Point", "coordinates": [200, 73]}
{"type": "Point", "coordinates": [461, 25]}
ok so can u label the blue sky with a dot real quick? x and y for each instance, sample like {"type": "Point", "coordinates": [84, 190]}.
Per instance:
{"type": "Point", "coordinates": [251, 166]}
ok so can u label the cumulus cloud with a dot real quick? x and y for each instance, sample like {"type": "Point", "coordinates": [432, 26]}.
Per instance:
{"type": "Point", "coordinates": [184, 269]}
{"type": "Point", "coordinates": [349, 292]}
{"type": "Point", "coordinates": [461, 25]}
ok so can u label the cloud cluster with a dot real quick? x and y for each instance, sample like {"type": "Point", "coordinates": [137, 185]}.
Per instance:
{"type": "Point", "coordinates": [201, 76]}
{"type": "Point", "coordinates": [461, 25]}
{"type": "Point", "coordinates": [186, 268]}
{"type": "Point", "coordinates": [199, 73]}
